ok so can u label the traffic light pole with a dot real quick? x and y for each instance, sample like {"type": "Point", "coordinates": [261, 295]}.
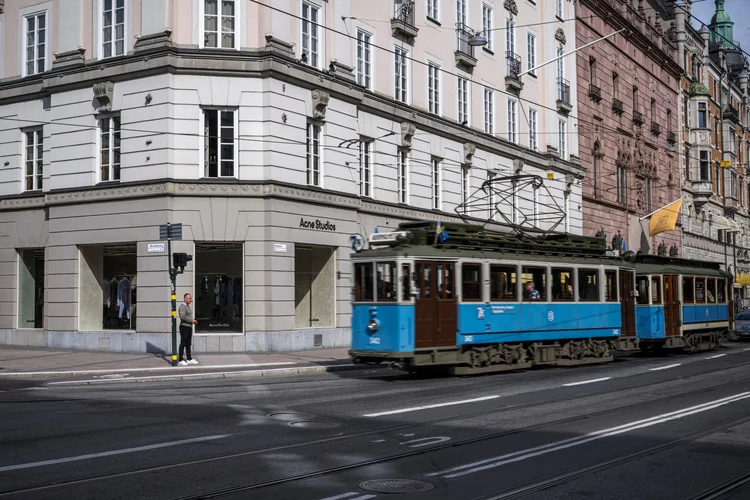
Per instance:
{"type": "Point", "coordinates": [173, 292]}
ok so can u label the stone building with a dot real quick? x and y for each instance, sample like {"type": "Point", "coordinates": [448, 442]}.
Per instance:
{"type": "Point", "coordinates": [271, 131]}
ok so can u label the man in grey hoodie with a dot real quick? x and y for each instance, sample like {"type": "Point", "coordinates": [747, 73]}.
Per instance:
{"type": "Point", "coordinates": [186, 330]}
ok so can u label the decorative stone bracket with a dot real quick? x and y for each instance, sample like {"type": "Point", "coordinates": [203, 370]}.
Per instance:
{"type": "Point", "coordinates": [408, 130]}
{"type": "Point", "coordinates": [469, 149]}
{"type": "Point", "coordinates": [320, 100]}
{"type": "Point", "coordinates": [103, 93]}
{"type": "Point", "coordinates": [560, 36]}
{"type": "Point", "coordinates": [510, 6]}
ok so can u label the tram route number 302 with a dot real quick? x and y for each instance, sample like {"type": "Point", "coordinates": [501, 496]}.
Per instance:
{"type": "Point", "coordinates": [374, 340]}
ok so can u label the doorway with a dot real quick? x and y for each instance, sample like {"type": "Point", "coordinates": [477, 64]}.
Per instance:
{"type": "Point", "coordinates": [435, 304]}
{"type": "Point", "coordinates": [627, 303]}
{"type": "Point", "coordinates": [671, 306]}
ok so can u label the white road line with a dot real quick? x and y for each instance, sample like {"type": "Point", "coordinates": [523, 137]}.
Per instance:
{"type": "Point", "coordinates": [341, 497]}
{"type": "Point", "coordinates": [748, 349]}
{"type": "Point", "coordinates": [417, 408]}
{"type": "Point", "coordinates": [518, 456]}
{"type": "Point", "coordinates": [717, 356]}
{"type": "Point", "coordinates": [587, 381]}
{"type": "Point", "coordinates": [154, 369]}
{"type": "Point", "coordinates": [665, 367]}
{"type": "Point", "coordinates": [110, 453]}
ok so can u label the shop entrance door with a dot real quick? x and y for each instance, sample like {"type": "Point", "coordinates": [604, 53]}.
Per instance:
{"type": "Point", "coordinates": [435, 305]}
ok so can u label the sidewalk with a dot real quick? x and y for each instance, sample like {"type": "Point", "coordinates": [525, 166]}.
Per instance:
{"type": "Point", "coordinates": [101, 367]}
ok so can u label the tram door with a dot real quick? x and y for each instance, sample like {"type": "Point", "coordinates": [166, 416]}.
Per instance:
{"type": "Point", "coordinates": [435, 304]}
{"type": "Point", "coordinates": [627, 302]}
{"type": "Point", "coordinates": [671, 306]}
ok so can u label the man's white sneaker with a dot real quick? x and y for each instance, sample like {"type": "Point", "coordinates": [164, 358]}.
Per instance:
{"type": "Point", "coordinates": [183, 363]}
{"type": "Point", "coordinates": [193, 361]}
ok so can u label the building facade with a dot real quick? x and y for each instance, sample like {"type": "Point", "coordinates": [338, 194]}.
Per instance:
{"type": "Point", "coordinates": [271, 131]}
{"type": "Point", "coordinates": [714, 143]}
{"type": "Point", "coordinates": [627, 119]}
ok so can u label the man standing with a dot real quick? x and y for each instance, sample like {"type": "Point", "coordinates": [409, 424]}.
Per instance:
{"type": "Point", "coordinates": [186, 330]}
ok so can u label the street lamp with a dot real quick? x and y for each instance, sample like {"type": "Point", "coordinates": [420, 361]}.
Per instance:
{"type": "Point", "coordinates": [478, 40]}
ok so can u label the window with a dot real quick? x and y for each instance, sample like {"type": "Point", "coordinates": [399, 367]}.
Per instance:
{"type": "Point", "coordinates": [512, 137]}
{"type": "Point", "coordinates": [615, 85]}
{"type": "Point", "coordinates": [365, 168]}
{"type": "Point", "coordinates": [641, 288]}
{"type": "Point", "coordinates": [688, 293]}
{"type": "Point", "coordinates": [463, 100]}
{"type": "Point", "coordinates": [622, 185]}
{"type": "Point", "coordinates": [716, 132]}
{"type": "Point", "coordinates": [635, 98]}
{"type": "Point", "coordinates": [385, 286]}
{"type": "Point", "coordinates": [596, 154]}
{"type": "Point", "coordinates": [510, 36]}
{"type": "Point", "coordinates": [436, 184]}
{"type": "Point", "coordinates": [610, 286]}
{"type": "Point", "coordinates": [721, 287]}
{"type": "Point", "coordinates": [685, 111]}
{"type": "Point", "coordinates": [31, 288]}
{"type": "Point", "coordinates": [700, 290]}
{"type": "Point", "coordinates": [433, 88]}
{"type": "Point", "coordinates": [702, 114]}
{"type": "Point", "coordinates": [588, 284]}
{"type": "Point", "coordinates": [34, 159]}
{"type": "Point", "coordinates": [562, 139]}
{"type": "Point", "coordinates": [400, 91]}
{"type": "Point", "coordinates": [687, 164]}
{"type": "Point", "coordinates": [711, 291]}
{"type": "Point", "coordinates": [592, 71]}
{"type": "Point", "coordinates": [433, 9]}
{"type": "Point", "coordinates": [363, 282]}
{"type": "Point", "coordinates": [562, 284]}
{"type": "Point", "coordinates": [109, 157]}
{"type": "Point", "coordinates": [503, 283]}
{"type": "Point", "coordinates": [534, 281]}
{"type": "Point", "coordinates": [648, 195]}
{"type": "Point", "coordinates": [656, 289]}
{"type": "Point", "coordinates": [559, 8]}
{"type": "Point", "coordinates": [461, 11]}
{"type": "Point", "coordinates": [705, 171]}
{"type": "Point", "coordinates": [669, 120]}
{"type": "Point", "coordinates": [219, 291]}
{"type": "Point", "coordinates": [313, 154]}
{"type": "Point", "coordinates": [310, 35]}
{"type": "Point", "coordinates": [560, 63]}
{"type": "Point", "coordinates": [113, 28]}
{"type": "Point", "coordinates": [406, 282]}
{"type": "Point", "coordinates": [532, 130]}
{"type": "Point", "coordinates": [531, 52]}
{"type": "Point", "coordinates": [219, 29]}
{"type": "Point", "coordinates": [652, 110]}
{"type": "Point", "coordinates": [364, 59]}
{"type": "Point", "coordinates": [35, 44]}
{"type": "Point", "coordinates": [487, 25]}
{"type": "Point", "coordinates": [219, 144]}
{"type": "Point", "coordinates": [403, 177]}
{"type": "Point", "coordinates": [489, 111]}
{"type": "Point", "coordinates": [471, 286]}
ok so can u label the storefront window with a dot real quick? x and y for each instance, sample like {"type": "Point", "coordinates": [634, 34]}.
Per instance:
{"type": "Point", "coordinates": [31, 288]}
{"type": "Point", "coordinates": [217, 300]}
{"type": "Point", "coordinates": [119, 280]}
{"type": "Point", "coordinates": [314, 286]}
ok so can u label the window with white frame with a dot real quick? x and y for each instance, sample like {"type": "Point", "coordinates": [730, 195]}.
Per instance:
{"type": "Point", "coordinates": [109, 148]}
{"type": "Point", "coordinates": [433, 88]}
{"type": "Point", "coordinates": [512, 122]}
{"type": "Point", "coordinates": [489, 111]}
{"type": "Point", "coordinates": [461, 11]}
{"type": "Point", "coordinates": [403, 177]}
{"type": "Point", "coordinates": [364, 59]}
{"type": "Point", "coordinates": [35, 43]}
{"type": "Point", "coordinates": [510, 36]}
{"type": "Point", "coordinates": [487, 24]}
{"type": "Point", "coordinates": [313, 154]}
{"type": "Point", "coordinates": [560, 63]}
{"type": "Point", "coordinates": [562, 139]}
{"type": "Point", "coordinates": [559, 8]}
{"type": "Point", "coordinates": [465, 186]}
{"type": "Point", "coordinates": [532, 130]}
{"type": "Point", "coordinates": [219, 145]}
{"type": "Point", "coordinates": [530, 52]}
{"type": "Point", "coordinates": [113, 28]}
{"type": "Point", "coordinates": [311, 34]}
{"type": "Point", "coordinates": [365, 168]}
{"type": "Point", "coordinates": [433, 9]}
{"type": "Point", "coordinates": [34, 159]}
{"type": "Point", "coordinates": [435, 182]}
{"type": "Point", "coordinates": [401, 86]}
{"type": "Point", "coordinates": [463, 100]}
{"type": "Point", "coordinates": [219, 24]}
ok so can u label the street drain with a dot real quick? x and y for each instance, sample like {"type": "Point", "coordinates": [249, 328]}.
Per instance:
{"type": "Point", "coordinates": [314, 424]}
{"type": "Point", "coordinates": [290, 416]}
{"type": "Point", "coordinates": [396, 486]}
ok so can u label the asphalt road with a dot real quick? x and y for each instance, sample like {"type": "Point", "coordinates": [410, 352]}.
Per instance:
{"type": "Point", "coordinates": [672, 427]}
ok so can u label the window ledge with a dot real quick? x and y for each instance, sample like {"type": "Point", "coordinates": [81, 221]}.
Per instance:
{"type": "Point", "coordinates": [433, 20]}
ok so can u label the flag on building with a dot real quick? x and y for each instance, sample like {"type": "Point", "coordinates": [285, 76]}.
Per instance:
{"type": "Point", "coordinates": [664, 219]}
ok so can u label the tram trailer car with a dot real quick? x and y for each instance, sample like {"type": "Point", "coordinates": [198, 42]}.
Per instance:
{"type": "Point", "coordinates": [467, 302]}
{"type": "Point", "coordinates": [681, 303]}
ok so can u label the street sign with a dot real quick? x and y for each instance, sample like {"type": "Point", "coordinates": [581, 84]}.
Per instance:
{"type": "Point", "coordinates": [726, 163]}
{"type": "Point", "coordinates": [176, 232]}
{"type": "Point", "coordinates": [156, 248]}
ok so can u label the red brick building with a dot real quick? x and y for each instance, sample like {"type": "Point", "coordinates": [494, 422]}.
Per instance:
{"type": "Point", "coordinates": [627, 107]}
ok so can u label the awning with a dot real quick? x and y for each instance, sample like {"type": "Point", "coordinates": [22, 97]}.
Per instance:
{"type": "Point", "coordinates": [742, 279]}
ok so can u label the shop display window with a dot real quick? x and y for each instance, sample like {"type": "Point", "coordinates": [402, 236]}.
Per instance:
{"type": "Point", "coordinates": [219, 288]}
{"type": "Point", "coordinates": [31, 288]}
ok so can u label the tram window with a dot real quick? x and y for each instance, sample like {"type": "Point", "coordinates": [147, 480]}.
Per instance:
{"type": "Point", "coordinates": [588, 284]}
{"type": "Point", "coordinates": [471, 286]}
{"type": "Point", "coordinates": [363, 282]}
{"type": "Point", "coordinates": [562, 284]}
{"type": "Point", "coordinates": [688, 291]}
{"type": "Point", "coordinates": [423, 281]}
{"type": "Point", "coordinates": [711, 290]}
{"type": "Point", "coordinates": [641, 286]}
{"type": "Point", "coordinates": [656, 289]}
{"type": "Point", "coordinates": [534, 281]}
{"type": "Point", "coordinates": [386, 281]}
{"type": "Point", "coordinates": [721, 287]}
{"type": "Point", "coordinates": [610, 285]}
{"type": "Point", "coordinates": [503, 283]}
{"type": "Point", "coordinates": [445, 281]}
{"type": "Point", "coordinates": [700, 290]}
{"type": "Point", "coordinates": [405, 282]}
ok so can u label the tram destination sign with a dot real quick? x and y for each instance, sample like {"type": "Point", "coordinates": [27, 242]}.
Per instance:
{"type": "Point", "coordinates": [385, 238]}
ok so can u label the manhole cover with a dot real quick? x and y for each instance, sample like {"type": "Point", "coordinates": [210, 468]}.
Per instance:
{"type": "Point", "coordinates": [314, 424]}
{"type": "Point", "coordinates": [291, 417]}
{"type": "Point", "coordinates": [396, 486]}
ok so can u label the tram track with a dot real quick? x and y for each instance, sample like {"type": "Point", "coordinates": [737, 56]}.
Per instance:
{"type": "Point", "coordinates": [364, 463]}
{"type": "Point", "coordinates": [726, 489]}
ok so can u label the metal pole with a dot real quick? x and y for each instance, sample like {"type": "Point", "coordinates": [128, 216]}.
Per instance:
{"type": "Point", "coordinates": [173, 292]}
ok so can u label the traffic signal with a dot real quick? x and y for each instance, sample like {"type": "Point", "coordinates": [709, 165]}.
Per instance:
{"type": "Point", "coordinates": [180, 260]}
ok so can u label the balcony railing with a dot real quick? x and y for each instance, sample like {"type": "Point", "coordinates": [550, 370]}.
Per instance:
{"type": "Point", "coordinates": [463, 35]}
{"type": "Point", "coordinates": [563, 96]}
{"type": "Point", "coordinates": [617, 106]}
{"type": "Point", "coordinates": [671, 138]}
{"type": "Point", "coordinates": [637, 117]}
{"type": "Point", "coordinates": [512, 65]}
{"type": "Point", "coordinates": [655, 128]}
{"type": "Point", "coordinates": [595, 93]}
{"type": "Point", "coordinates": [403, 19]}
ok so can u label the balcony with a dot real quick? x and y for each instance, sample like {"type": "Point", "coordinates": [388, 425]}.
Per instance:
{"type": "Point", "coordinates": [731, 205]}
{"type": "Point", "coordinates": [655, 128]}
{"type": "Point", "coordinates": [464, 51]}
{"type": "Point", "coordinates": [637, 117]}
{"type": "Point", "coordinates": [618, 107]}
{"type": "Point", "coordinates": [702, 191]}
{"type": "Point", "coordinates": [512, 69]}
{"type": "Point", "coordinates": [563, 96]}
{"type": "Point", "coordinates": [731, 113]}
{"type": "Point", "coordinates": [595, 93]}
{"type": "Point", "coordinates": [402, 22]}
{"type": "Point", "coordinates": [671, 138]}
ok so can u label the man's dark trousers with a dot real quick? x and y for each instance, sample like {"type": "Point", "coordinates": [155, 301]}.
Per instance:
{"type": "Point", "coordinates": [186, 338]}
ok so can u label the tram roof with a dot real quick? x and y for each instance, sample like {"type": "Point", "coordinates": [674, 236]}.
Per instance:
{"type": "Point", "coordinates": [656, 264]}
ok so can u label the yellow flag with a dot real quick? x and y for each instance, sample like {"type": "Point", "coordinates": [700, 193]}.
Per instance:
{"type": "Point", "coordinates": [665, 219]}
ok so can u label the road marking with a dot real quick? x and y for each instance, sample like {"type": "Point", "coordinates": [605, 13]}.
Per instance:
{"type": "Point", "coordinates": [417, 408]}
{"type": "Point", "coordinates": [748, 349]}
{"type": "Point", "coordinates": [588, 381]}
{"type": "Point", "coordinates": [350, 495]}
{"type": "Point", "coordinates": [717, 356]}
{"type": "Point", "coordinates": [110, 453]}
{"type": "Point", "coordinates": [154, 369]}
{"type": "Point", "coordinates": [518, 456]}
{"type": "Point", "coordinates": [665, 367]}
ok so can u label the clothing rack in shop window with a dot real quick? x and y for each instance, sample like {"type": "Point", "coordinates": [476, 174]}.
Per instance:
{"type": "Point", "coordinates": [206, 295]}
{"type": "Point", "coordinates": [113, 319]}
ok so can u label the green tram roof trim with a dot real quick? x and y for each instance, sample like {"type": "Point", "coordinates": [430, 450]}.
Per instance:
{"type": "Point", "coordinates": [656, 264]}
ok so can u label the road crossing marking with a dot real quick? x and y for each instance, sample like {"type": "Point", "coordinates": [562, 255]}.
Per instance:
{"type": "Point", "coordinates": [417, 408]}
{"type": "Point", "coordinates": [358, 496]}
{"type": "Point", "coordinates": [717, 356]}
{"type": "Point", "coordinates": [587, 381]}
{"type": "Point", "coordinates": [665, 367]}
